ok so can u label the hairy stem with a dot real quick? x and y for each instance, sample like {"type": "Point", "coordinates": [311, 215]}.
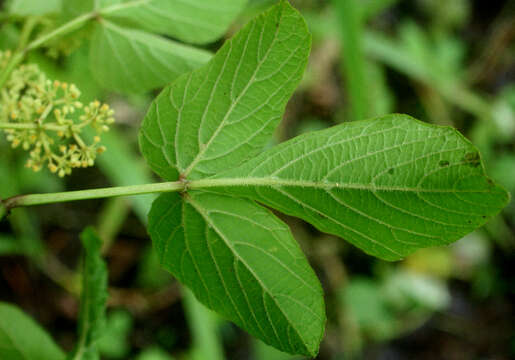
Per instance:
{"type": "Point", "coordinates": [39, 199]}
{"type": "Point", "coordinates": [184, 185]}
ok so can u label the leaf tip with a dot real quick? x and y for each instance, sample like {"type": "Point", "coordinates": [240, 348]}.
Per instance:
{"type": "Point", "coordinates": [90, 239]}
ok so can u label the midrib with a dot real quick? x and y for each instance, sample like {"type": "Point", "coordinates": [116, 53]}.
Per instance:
{"type": "Point", "coordinates": [325, 185]}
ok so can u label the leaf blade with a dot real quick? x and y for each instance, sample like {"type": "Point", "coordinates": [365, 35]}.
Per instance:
{"type": "Point", "coordinates": [93, 297]}
{"type": "Point", "coordinates": [134, 61]}
{"type": "Point", "coordinates": [225, 112]}
{"type": "Point", "coordinates": [264, 283]}
{"type": "Point", "coordinates": [22, 338]}
{"type": "Point", "coordinates": [406, 183]}
{"type": "Point", "coordinates": [194, 21]}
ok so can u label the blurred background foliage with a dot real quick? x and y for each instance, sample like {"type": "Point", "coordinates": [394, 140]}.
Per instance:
{"type": "Point", "coordinates": [445, 62]}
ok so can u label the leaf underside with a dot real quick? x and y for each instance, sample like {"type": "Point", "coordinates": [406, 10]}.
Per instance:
{"type": "Point", "coordinates": [389, 185]}
{"type": "Point", "coordinates": [225, 112]}
{"type": "Point", "coordinates": [241, 261]}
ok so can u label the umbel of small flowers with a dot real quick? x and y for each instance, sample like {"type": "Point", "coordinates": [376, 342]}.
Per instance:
{"type": "Point", "coordinates": [47, 119]}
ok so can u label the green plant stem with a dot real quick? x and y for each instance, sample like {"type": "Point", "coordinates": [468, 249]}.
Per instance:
{"type": "Point", "coordinates": [33, 126]}
{"type": "Point", "coordinates": [39, 199]}
{"type": "Point", "coordinates": [19, 55]}
{"type": "Point", "coordinates": [176, 186]}
{"type": "Point", "coordinates": [62, 30]}
{"type": "Point", "coordinates": [13, 62]}
{"type": "Point", "coordinates": [29, 25]}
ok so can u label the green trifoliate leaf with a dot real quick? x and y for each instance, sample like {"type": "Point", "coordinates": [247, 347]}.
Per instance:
{"type": "Point", "coordinates": [134, 61]}
{"type": "Point", "coordinates": [192, 21]}
{"type": "Point", "coordinates": [241, 261]}
{"type": "Point", "coordinates": [225, 112]}
{"type": "Point", "coordinates": [23, 339]}
{"type": "Point", "coordinates": [93, 298]}
{"type": "Point", "coordinates": [389, 185]}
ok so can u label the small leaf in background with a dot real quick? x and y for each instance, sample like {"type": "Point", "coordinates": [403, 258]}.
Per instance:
{"type": "Point", "coordinates": [9, 245]}
{"type": "Point", "coordinates": [503, 170]}
{"type": "Point", "coordinates": [114, 343]}
{"type": "Point", "coordinates": [23, 339]}
{"type": "Point", "coordinates": [504, 114]}
{"type": "Point", "coordinates": [128, 53]}
{"type": "Point", "coordinates": [405, 289]}
{"type": "Point", "coordinates": [225, 112]}
{"type": "Point", "coordinates": [9, 36]}
{"type": "Point", "coordinates": [154, 353]}
{"type": "Point", "coordinates": [389, 185]}
{"type": "Point", "coordinates": [150, 273]}
{"type": "Point", "coordinates": [93, 298]}
{"type": "Point", "coordinates": [383, 309]}
{"type": "Point", "coordinates": [470, 254]}
{"type": "Point", "coordinates": [366, 309]}
{"type": "Point", "coordinates": [241, 261]}
{"type": "Point", "coordinates": [133, 61]}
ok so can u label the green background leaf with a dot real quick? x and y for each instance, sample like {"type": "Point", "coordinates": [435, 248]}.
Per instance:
{"type": "Point", "coordinates": [23, 339]}
{"type": "Point", "coordinates": [74, 8]}
{"type": "Point", "coordinates": [215, 117]}
{"type": "Point", "coordinates": [193, 21]}
{"type": "Point", "coordinates": [33, 7]}
{"type": "Point", "coordinates": [389, 185]}
{"type": "Point", "coordinates": [133, 61]}
{"type": "Point", "coordinates": [127, 54]}
{"type": "Point", "coordinates": [241, 261]}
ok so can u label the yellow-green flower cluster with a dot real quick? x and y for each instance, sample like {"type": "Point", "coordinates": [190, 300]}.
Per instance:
{"type": "Point", "coordinates": [46, 118]}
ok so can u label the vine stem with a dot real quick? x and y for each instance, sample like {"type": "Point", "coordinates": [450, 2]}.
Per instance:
{"type": "Point", "coordinates": [185, 185]}
{"type": "Point", "coordinates": [39, 199]}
